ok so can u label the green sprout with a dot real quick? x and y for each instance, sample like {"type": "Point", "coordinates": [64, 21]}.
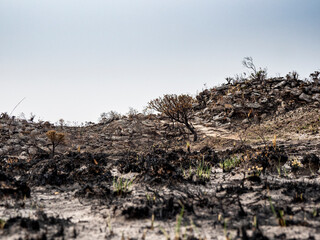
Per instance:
{"type": "Point", "coordinates": [178, 224]}
{"type": "Point", "coordinates": [121, 186]}
{"type": "Point", "coordinates": [280, 216]}
{"type": "Point", "coordinates": [230, 163]}
{"type": "Point", "coordinates": [203, 171]}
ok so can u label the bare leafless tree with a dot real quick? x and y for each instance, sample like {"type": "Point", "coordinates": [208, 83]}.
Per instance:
{"type": "Point", "coordinates": [248, 63]}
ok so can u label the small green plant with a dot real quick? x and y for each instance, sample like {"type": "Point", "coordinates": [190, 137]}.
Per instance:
{"type": "Point", "coordinates": [121, 186]}
{"type": "Point", "coordinates": [2, 223]}
{"type": "Point", "coordinates": [203, 171]}
{"type": "Point", "coordinates": [151, 198]}
{"type": "Point", "coordinates": [315, 212]}
{"type": "Point", "coordinates": [179, 234]}
{"type": "Point", "coordinates": [165, 233]}
{"type": "Point", "coordinates": [230, 163]}
{"type": "Point", "coordinates": [56, 139]}
{"type": "Point", "coordinates": [255, 221]}
{"type": "Point", "coordinates": [279, 216]}
{"type": "Point", "coordinates": [279, 168]}
{"type": "Point", "coordinates": [225, 229]}
{"type": "Point", "coordinates": [187, 173]}
{"type": "Point", "coordinates": [188, 147]}
{"type": "Point", "coordinates": [178, 224]}
{"type": "Point", "coordinates": [109, 225]}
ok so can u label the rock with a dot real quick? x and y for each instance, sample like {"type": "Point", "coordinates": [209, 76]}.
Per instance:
{"type": "Point", "coordinates": [206, 110]}
{"type": "Point", "coordinates": [246, 120]}
{"type": "Point", "coordinates": [281, 84]}
{"type": "Point", "coordinates": [305, 97]}
{"type": "Point", "coordinates": [315, 89]}
{"type": "Point", "coordinates": [294, 84]}
{"type": "Point", "coordinates": [23, 156]}
{"type": "Point", "coordinates": [5, 149]}
{"type": "Point", "coordinates": [263, 116]}
{"type": "Point", "coordinates": [238, 93]}
{"type": "Point", "coordinates": [218, 117]}
{"type": "Point", "coordinates": [227, 99]}
{"type": "Point", "coordinates": [296, 92]}
{"type": "Point", "coordinates": [14, 141]}
{"type": "Point", "coordinates": [280, 110]}
{"type": "Point", "coordinates": [316, 97]}
{"type": "Point", "coordinates": [237, 105]}
{"type": "Point", "coordinates": [263, 100]}
{"type": "Point", "coordinates": [24, 148]}
{"type": "Point", "coordinates": [222, 87]}
{"type": "Point", "coordinates": [287, 89]}
{"type": "Point", "coordinates": [34, 133]}
{"type": "Point", "coordinates": [32, 151]}
{"type": "Point", "coordinates": [253, 105]}
{"type": "Point", "coordinates": [307, 89]}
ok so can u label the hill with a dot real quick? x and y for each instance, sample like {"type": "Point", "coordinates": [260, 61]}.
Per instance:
{"type": "Point", "coordinates": [252, 174]}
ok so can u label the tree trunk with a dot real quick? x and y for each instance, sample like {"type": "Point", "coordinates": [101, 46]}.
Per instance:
{"type": "Point", "coordinates": [193, 131]}
{"type": "Point", "coordinates": [53, 149]}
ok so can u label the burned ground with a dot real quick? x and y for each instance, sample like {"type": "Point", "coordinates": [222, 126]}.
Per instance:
{"type": "Point", "coordinates": [141, 177]}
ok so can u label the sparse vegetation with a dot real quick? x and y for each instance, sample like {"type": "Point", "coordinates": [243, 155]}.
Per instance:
{"type": "Point", "coordinates": [230, 163]}
{"type": "Point", "coordinates": [132, 113]}
{"type": "Point", "coordinates": [203, 171]}
{"type": "Point", "coordinates": [292, 75]}
{"type": "Point", "coordinates": [278, 215]}
{"type": "Point", "coordinates": [122, 186]}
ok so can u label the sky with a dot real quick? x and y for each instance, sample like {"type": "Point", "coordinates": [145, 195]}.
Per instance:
{"type": "Point", "coordinates": [76, 59]}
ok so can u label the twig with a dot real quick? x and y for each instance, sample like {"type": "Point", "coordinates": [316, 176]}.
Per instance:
{"type": "Point", "coordinates": [16, 106]}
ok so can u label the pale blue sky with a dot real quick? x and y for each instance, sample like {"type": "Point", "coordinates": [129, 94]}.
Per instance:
{"type": "Point", "coordinates": [75, 59]}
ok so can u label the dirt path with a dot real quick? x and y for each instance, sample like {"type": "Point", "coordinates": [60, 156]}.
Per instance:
{"type": "Point", "coordinates": [215, 132]}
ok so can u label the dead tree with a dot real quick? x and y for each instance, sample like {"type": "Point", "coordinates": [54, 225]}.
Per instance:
{"type": "Point", "coordinates": [176, 107]}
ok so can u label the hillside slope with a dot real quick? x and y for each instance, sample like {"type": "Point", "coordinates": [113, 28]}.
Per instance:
{"type": "Point", "coordinates": [253, 173]}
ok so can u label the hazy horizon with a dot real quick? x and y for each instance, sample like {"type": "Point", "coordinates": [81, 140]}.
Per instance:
{"type": "Point", "coordinates": [76, 59]}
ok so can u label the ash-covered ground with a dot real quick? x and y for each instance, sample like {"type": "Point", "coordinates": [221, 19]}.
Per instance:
{"type": "Point", "coordinates": [252, 174]}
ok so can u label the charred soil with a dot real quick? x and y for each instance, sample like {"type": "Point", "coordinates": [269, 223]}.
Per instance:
{"type": "Point", "coordinates": [253, 173]}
